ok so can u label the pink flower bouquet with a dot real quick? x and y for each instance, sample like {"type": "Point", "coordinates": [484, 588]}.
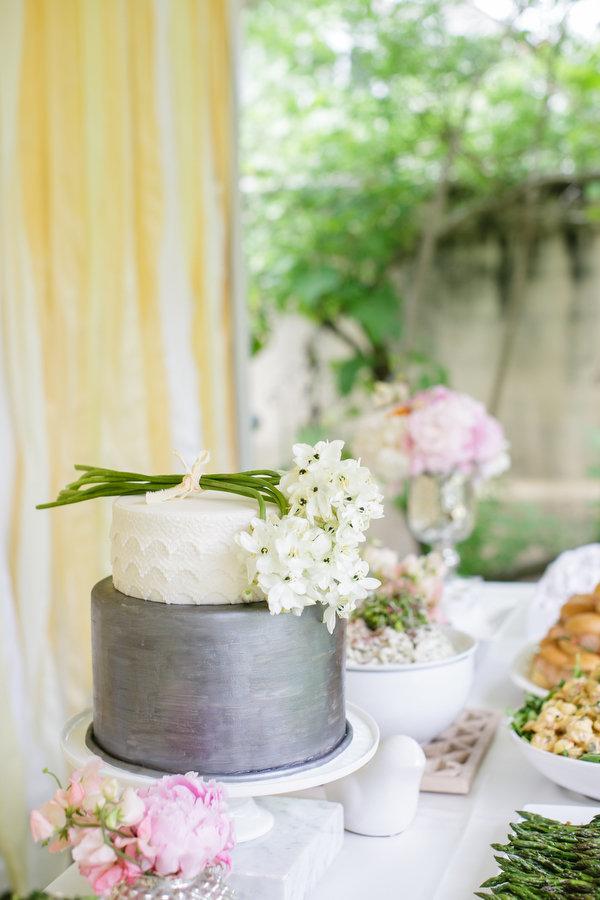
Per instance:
{"type": "Point", "coordinates": [438, 431]}
{"type": "Point", "coordinates": [177, 826]}
{"type": "Point", "coordinates": [447, 431]}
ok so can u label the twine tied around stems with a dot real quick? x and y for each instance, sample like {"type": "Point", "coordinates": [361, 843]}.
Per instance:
{"type": "Point", "coordinates": [190, 483]}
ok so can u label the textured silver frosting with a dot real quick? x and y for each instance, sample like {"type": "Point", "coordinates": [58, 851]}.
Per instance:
{"type": "Point", "coordinates": [221, 689]}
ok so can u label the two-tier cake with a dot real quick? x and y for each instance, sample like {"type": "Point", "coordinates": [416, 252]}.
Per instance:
{"type": "Point", "coordinates": [218, 642]}
{"type": "Point", "coordinates": [188, 677]}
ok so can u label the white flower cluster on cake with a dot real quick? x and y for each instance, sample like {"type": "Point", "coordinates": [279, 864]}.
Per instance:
{"type": "Point", "coordinates": [311, 554]}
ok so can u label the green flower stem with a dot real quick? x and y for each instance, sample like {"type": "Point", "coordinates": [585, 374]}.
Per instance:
{"type": "Point", "coordinates": [95, 482]}
{"type": "Point", "coordinates": [110, 474]}
{"type": "Point", "coordinates": [268, 488]}
{"type": "Point", "coordinates": [47, 771]}
{"type": "Point", "coordinates": [263, 473]}
{"type": "Point", "coordinates": [235, 488]}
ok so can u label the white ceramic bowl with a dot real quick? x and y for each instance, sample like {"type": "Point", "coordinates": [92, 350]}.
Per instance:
{"type": "Point", "coordinates": [583, 777]}
{"type": "Point", "coordinates": [417, 699]}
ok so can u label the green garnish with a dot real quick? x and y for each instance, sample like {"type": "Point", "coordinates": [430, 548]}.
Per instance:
{"type": "Point", "coordinates": [590, 757]}
{"type": "Point", "coordinates": [402, 612]}
{"type": "Point", "coordinates": [528, 713]}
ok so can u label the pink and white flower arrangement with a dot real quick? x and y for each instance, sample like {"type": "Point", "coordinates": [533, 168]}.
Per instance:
{"type": "Point", "coordinates": [438, 431]}
{"type": "Point", "coordinates": [177, 826]}
{"type": "Point", "coordinates": [400, 623]}
{"type": "Point", "coordinates": [418, 577]}
{"type": "Point", "coordinates": [447, 431]}
{"type": "Point", "coordinates": [311, 554]}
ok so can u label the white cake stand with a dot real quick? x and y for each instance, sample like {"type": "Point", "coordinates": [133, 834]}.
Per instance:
{"type": "Point", "coordinates": [251, 819]}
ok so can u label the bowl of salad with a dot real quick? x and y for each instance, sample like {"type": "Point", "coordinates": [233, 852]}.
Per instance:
{"type": "Point", "coordinates": [411, 672]}
{"type": "Point", "coordinates": [559, 734]}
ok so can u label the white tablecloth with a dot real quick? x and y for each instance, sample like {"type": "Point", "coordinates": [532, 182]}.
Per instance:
{"type": "Point", "coordinates": [445, 854]}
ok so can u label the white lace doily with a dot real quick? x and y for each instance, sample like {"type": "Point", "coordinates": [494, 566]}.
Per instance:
{"type": "Point", "coordinates": [573, 572]}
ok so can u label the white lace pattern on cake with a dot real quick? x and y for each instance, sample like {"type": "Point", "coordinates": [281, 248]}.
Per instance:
{"type": "Point", "coordinates": [174, 553]}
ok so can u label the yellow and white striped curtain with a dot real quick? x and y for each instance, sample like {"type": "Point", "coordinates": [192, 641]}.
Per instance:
{"type": "Point", "coordinates": [117, 320]}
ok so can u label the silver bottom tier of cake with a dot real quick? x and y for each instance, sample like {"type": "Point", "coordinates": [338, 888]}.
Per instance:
{"type": "Point", "coordinates": [224, 690]}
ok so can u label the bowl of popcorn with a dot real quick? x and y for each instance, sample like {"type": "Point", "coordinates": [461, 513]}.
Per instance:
{"type": "Point", "coordinates": [409, 670]}
{"type": "Point", "coordinates": [559, 734]}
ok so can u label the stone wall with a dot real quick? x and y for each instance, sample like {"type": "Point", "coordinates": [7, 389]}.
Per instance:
{"type": "Point", "coordinates": [551, 403]}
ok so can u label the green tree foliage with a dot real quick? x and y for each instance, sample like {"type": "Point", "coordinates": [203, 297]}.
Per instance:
{"type": "Point", "coordinates": [374, 128]}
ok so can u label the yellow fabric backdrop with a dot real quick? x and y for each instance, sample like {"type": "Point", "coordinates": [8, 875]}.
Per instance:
{"type": "Point", "coordinates": [117, 319]}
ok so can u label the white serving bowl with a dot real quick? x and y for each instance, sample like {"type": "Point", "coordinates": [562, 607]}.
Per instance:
{"type": "Point", "coordinates": [417, 699]}
{"type": "Point", "coordinates": [583, 777]}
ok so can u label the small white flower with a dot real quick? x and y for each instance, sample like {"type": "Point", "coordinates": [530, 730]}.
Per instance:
{"type": "Point", "coordinates": [354, 582]}
{"type": "Point", "coordinates": [313, 494]}
{"type": "Point", "coordinates": [324, 453]}
{"type": "Point", "coordinates": [111, 790]}
{"type": "Point", "coordinates": [284, 593]}
{"type": "Point", "coordinates": [329, 618]}
{"type": "Point", "coordinates": [362, 498]}
{"type": "Point", "coordinates": [348, 537]}
{"type": "Point", "coordinates": [131, 807]}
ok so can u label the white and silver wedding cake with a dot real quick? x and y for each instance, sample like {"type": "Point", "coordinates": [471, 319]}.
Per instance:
{"type": "Point", "coordinates": [187, 676]}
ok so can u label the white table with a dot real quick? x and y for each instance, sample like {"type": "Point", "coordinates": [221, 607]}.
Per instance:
{"type": "Point", "coordinates": [445, 854]}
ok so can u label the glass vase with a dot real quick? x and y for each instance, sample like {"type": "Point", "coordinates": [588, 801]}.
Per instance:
{"type": "Point", "coordinates": [441, 512]}
{"type": "Point", "coordinates": [208, 885]}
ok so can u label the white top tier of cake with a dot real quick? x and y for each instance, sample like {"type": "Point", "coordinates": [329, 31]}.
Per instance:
{"type": "Point", "coordinates": [180, 551]}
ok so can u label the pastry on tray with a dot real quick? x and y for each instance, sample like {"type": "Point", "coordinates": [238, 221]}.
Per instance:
{"type": "Point", "coordinates": [572, 642]}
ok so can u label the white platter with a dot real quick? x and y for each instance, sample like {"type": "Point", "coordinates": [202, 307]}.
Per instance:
{"type": "Point", "coordinates": [519, 671]}
{"type": "Point", "coordinates": [251, 820]}
{"type": "Point", "coordinates": [574, 815]}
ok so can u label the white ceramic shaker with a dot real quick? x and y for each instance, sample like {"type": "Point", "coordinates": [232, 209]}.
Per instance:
{"type": "Point", "coordinates": [381, 798]}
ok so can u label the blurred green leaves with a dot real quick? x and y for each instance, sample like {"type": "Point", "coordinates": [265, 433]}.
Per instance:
{"type": "Point", "coordinates": [348, 370]}
{"type": "Point", "coordinates": [350, 110]}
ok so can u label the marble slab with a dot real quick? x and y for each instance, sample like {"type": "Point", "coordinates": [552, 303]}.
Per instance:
{"type": "Point", "coordinates": [285, 864]}
{"type": "Point", "coordinates": [289, 861]}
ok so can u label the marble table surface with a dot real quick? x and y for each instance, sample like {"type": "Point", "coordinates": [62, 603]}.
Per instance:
{"type": "Point", "coordinates": [445, 854]}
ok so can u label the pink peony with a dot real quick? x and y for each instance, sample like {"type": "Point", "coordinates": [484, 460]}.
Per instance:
{"type": "Point", "coordinates": [185, 825]}
{"type": "Point", "coordinates": [448, 431]}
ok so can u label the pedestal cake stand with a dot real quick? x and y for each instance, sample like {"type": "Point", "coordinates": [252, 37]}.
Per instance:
{"type": "Point", "coordinates": [252, 820]}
